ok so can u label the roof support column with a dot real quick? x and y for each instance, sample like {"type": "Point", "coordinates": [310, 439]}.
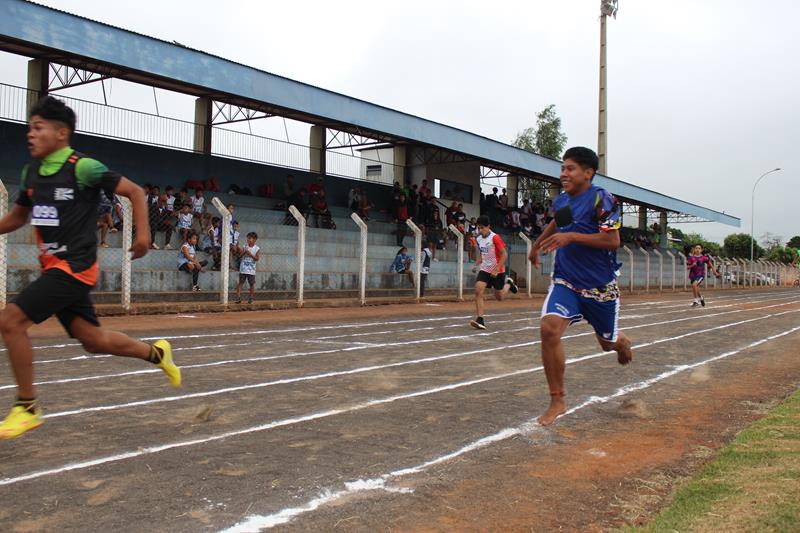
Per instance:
{"type": "Point", "coordinates": [399, 159]}
{"type": "Point", "coordinates": [642, 218]}
{"type": "Point", "coordinates": [38, 80]}
{"type": "Point", "coordinates": [317, 142]}
{"type": "Point", "coordinates": [662, 225]}
{"type": "Point", "coordinates": [512, 187]}
{"type": "Point", "coordinates": [202, 128]}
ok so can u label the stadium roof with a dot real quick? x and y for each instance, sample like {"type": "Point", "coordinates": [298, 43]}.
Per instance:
{"type": "Point", "coordinates": [37, 31]}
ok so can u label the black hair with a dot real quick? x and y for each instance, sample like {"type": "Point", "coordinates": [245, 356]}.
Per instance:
{"type": "Point", "coordinates": [585, 157]}
{"type": "Point", "coordinates": [483, 220]}
{"type": "Point", "coordinates": [50, 108]}
{"type": "Point", "coordinates": [252, 234]}
{"type": "Point", "coordinates": [400, 250]}
{"type": "Point", "coordinates": [169, 188]}
{"type": "Point", "coordinates": [184, 189]}
{"type": "Point", "coordinates": [192, 233]}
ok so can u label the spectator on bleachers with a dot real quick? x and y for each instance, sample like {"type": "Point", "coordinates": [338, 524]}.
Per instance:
{"type": "Point", "coordinates": [516, 223]}
{"type": "Point", "coordinates": [526, 212]}
{"type": "Point", "coordinates": [161, 219]}
{"type": "Point", "coordinates": [450, 213]}
{"type": "Point", "coordinates": [413, 202]}
{"type": "Point", "coordinates": [424, 190]}
{"type": "Point", "coordinates": [153, 196]}
{"type": "Point", "coordinates": [299, 201]}
{"type": "Point", "coordinates": [236, 251]}
{"type": "Point", "coordinates": [397, 191]}
{"type": "Point", "coordinates": [170, 192]}
{"type": "Point", "coordinates": [528, 229]}
{"type": "Point", "coordinates": [288, 187]}
{"type": "Point", "coordinates": [503, 201]}
{"type": "Point", "coordinates": [354, 199]}
{"type": "Point", "coordinates": [539, 218]}
{"type": "Point", "coordinates": [210, 243]}
{"type": "Point", "coordinates": [436, 233]}
{"type": "Point", "coordinates": [472, 235]}
{"type": "Point", "coordinates": [322, 215]}
{"type": "Point", "coordinates": [187, 260]}
{"type": "Point", "coordinates": [105, 221]}
{"type": "Point", "coordinates": [492, 203]}
{"type": "Point", "coordinates": [181, 199]}
{"type": "Point", "coordinates": [185, 220]}
{"type": "Point", "coordinates": [317, 187]}
{"type": "Point", "coordinates": [402, 264]}
{"type": "Point", "coordinates": [366, 205]}
{"type": "Point", "coordinates": [401, 215]}
{"type": "Point", "coordinates": [198, 203]}
{"type": "Point", "coordinates": [232, 209]}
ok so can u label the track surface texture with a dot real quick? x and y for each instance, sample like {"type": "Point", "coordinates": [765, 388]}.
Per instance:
{"type": "Point", "coordinates": [395, 418]}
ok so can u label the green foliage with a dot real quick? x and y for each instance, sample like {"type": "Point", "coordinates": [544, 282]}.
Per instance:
{"type": "Point", "coordinates": [782, 254]}
{"type": "Point", "coordinates": [709, 247]}
{"type": "Point", "coordinates": [738, 245]}
{"type": "Point", "coordinates": [545, 139]}
{"type": "Point", "coordinates": [794, 242]}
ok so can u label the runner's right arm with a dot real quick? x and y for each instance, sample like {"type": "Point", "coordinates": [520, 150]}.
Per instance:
{"type": "Point", "coordinates": [534, 255]}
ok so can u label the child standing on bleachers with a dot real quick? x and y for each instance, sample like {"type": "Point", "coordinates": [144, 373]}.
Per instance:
{"type": "Point", "coordinates": [198, 206]}
{"type": "Point", "coordinates": [247, 269]}
{"type": "Point", "coordinates": [185, 219]}
{"type": "Point", "coordinates": [236, 252]}
{"type": "Point", "coordinates": [187, 260]}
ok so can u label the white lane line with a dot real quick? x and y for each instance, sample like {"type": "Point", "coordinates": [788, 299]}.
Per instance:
{"type": "Point", "coordinates": [372, 368]}
{"type": "Point", "coordinates": [256, 523]}
{"type": "Point", "coordinates": [532, 316]}
{"type": "Point", "coordinates": [361, 347]}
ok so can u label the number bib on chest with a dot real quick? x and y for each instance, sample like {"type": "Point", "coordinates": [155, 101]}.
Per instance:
{"type": "Point", "coordinates": [44, 215]}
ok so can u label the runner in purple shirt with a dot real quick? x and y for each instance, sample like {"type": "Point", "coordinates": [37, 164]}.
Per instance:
{"type": "Point", "coordinates": [697, 263]}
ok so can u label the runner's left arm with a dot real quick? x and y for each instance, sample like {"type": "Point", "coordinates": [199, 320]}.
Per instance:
{"type": "Point", "coordinates": [15, 219]}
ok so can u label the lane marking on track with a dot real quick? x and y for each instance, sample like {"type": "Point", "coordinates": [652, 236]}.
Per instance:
{"type": "Point", "coordinates": [259, 522]}
{"type": "Point", "coordinates": [332, 412]}
{"type": "Point", "coordinates": [361, 347]}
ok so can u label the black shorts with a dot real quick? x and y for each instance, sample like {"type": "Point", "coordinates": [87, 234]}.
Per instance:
{"type": "Point", "coordinates": [249, 278]}
{"type": "Point", "coordinates": [57, 293]}
{"type": "Point", "coordinates": [496, 282]}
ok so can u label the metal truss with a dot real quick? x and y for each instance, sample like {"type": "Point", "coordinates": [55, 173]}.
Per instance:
{"type": "Point", "coordinates": [434, 156]}
{"type": "Point", "coordinates": [654, 215]}
{"type": "Point", "coordinates": [346, 139]}
{"type": "Point", "coordinates": [225, 113]}
{"type": "Point", "coordinates": [65, 76]}
{"type": "Point", "coordinates": [492, 173]}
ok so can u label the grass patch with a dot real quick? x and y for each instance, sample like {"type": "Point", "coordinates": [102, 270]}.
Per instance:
{"type": "Point", "coordinates": [753, 485]}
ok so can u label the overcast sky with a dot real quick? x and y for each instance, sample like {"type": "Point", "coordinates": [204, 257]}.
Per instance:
{"type": "Point", "coordinates": [702, 95]}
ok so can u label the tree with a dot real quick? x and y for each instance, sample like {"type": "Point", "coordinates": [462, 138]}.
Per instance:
{"type": "Point", "coordinates": [709, 247]}
{"type": "Point", "coordinates": [545, 139]}
{"type": "Point", "coordinates": [781, 254]}
{"type": "Point", "coordinates": [794, 242]}
{"type": "Point", "coordinates": [738, 245]}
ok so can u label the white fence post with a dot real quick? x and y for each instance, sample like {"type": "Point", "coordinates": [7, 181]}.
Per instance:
{"type": "Point", "coordinates": [630, 268]}
{"type": "Point", "coordinates": [685, 271]}
{"type": "Point", "coordinates": [460, 240]}
{"type": "Point", "coordinates": [3, 248]}
{"type": "Point", "coordinates": [417, 253]}
{"type": "Point", "coordinates": [528, 266]}
{"type": "Point", "coordinates": [660, 270]}
{"type": "Point", "coordinates": [674, 272]}
{"type": "Point", "coordinates": [225, 256]}
{"type": "Point", "coordinates": [127, 241]}
{"type": "Point", "coordinates": [301, 252]}
{"type": "Point", "coordinates": [646, 269]}
{"type": "Point", "coordinates": [362, 272]}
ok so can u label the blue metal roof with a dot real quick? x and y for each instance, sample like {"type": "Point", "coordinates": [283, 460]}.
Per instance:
{"type": "Point", "coordinates": [47, 28]}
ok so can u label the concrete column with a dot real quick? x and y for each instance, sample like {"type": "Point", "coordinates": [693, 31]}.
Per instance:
{"type": "Point", "coordinates": [317, 141]}
{"type": "Point", "coordinates": [642, 218]}
{"type": "Point", "coordinates": [38, 80]}
{"type": "Point", "coordinates": [662, 224]}
{"type": "Point", "coordinates": [512, 184]}
{"type": "Point", "coordinates": [399, 159]}
{"type": "Point", "coordinates": [202, 129]}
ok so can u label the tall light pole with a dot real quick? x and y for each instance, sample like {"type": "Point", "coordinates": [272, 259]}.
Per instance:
{"type": "Point", "coordinates": [607, 8]}
{"type": "Point", "coordinates": [753, 209]}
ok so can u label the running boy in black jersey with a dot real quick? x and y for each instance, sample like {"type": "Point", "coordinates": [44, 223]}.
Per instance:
{"type": "Point", "coordinates": [60, 193]}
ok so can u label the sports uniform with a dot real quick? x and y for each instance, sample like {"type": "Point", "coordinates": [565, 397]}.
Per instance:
{"type": "Point", "coordinates": [63, 192]}
{"type": "Point", "coordinates": [584, 278]}
{"type": "Point", "coordinates": [490, 248]}
{"type": "Point", "coordinates": [697, 265]}
{"type": "Point", "coordinates": [247, 268]}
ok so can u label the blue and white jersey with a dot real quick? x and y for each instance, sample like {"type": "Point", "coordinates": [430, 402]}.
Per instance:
{"type": "Point", "coordinates": [182, 257]}
{"type": "Point", "coordinates": [590, 212]}
{"type": "Point", "coordinates": [234, 237]}
{"type": "Point", "coordinates": [426, 260]}
{"type": "Point", "coordinates": [248, 264]}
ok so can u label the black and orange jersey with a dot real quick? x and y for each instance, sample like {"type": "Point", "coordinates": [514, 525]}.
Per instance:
{"type": "Point", "coordinates": [63, 194]}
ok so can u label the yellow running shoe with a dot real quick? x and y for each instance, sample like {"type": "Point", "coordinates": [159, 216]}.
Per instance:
{"type": "Point", "coordinates": [18, 421]}
{"type": "Point", "coordinates": [166, 364]}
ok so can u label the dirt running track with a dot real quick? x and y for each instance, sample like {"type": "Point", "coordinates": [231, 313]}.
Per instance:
{"type": "Point", "coordinates": [395, 418]}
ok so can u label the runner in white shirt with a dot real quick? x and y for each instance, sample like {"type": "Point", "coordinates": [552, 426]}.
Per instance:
{"type": "Point", "coordinates": [491, 270]}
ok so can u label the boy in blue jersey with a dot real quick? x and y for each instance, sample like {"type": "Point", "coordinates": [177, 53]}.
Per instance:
{"type": "Point", "coordinates": [585, 233]}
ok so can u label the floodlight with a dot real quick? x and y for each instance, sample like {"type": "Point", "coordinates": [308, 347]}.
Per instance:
{"type": "Point", "coordinates": [609, 8]}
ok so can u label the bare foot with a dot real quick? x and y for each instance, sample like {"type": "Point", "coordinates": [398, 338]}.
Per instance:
{"type": "Point", "coordinates": [624, 352]}
{"type": "Point", "coordinates": [556, 409]}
